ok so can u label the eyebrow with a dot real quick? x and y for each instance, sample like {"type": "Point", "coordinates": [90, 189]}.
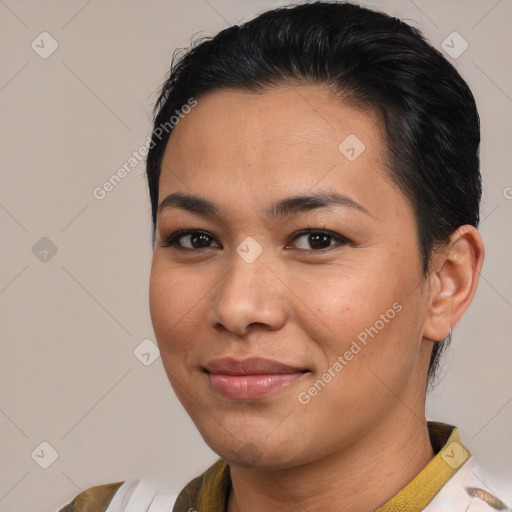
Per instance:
{"type": "Point", "coordinates": [282, 208]}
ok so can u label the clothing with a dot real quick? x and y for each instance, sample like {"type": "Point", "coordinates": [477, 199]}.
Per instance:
{"type": "Point", "coordinates": [451, 482]}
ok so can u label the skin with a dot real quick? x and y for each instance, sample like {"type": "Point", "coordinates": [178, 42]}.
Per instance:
{"type": "Point", "coordinates": [299, 303]}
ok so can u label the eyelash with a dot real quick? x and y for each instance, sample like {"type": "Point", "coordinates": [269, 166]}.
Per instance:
{"type": "Point", "coordinates": [173, 239]}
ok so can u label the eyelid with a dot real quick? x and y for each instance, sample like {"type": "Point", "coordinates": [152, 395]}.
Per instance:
{"type": "Point", "coordinates": [342, 240]}
{"type": "Point", "coordinates": [173, 239]}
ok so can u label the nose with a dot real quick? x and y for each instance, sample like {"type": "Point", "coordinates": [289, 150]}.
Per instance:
{"type": "Point", "coordinates": [248, 295]}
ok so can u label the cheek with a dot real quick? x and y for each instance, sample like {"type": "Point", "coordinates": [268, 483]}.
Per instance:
{"type": "Point", "coordinates": [336, 308]}
{"type": "Point", "coordinates": [176, 302]}
{"type": "Point", "coordinates": [369, 318]}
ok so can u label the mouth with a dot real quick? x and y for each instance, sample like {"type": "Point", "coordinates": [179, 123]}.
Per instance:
{"type": "Point", "coordinates": [244, 379]}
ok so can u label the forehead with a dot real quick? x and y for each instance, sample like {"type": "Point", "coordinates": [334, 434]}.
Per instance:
{"type": "Point", "coordinates": [282, 140]}
{"type": "Point", "coordinates": [296, 120]}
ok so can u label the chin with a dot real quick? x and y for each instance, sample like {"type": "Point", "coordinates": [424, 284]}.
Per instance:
{"type": "Point", "coordinates": [255, 450]}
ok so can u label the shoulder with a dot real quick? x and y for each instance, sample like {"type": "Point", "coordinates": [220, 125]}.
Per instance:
{"type": "Point", "coordinates": [136, 495]}
{"type": "Point", "coordinates": [473, 489]}
{"type": "Point", "coordinates": [93, 499]}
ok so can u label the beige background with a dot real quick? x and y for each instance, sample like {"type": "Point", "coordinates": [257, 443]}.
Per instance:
{"type": "Point", "coordinates": [69, 325]}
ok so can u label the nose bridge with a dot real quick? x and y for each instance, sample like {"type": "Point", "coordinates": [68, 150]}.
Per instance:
{"type": "Point", "coordinates": [244, 278]}
{"type": "Point", "coordinates": [245, 295]}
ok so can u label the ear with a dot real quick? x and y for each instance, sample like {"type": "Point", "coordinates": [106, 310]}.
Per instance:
{"type": "Point", "coordinates": [453, 281]}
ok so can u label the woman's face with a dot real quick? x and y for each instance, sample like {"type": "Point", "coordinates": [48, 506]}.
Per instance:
{"type": "Point", "coordinates": [342, 305]}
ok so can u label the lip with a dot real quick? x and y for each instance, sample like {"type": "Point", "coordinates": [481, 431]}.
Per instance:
{"type": "Point", "coordinates": [250, 366]}
{"type": "Point", "coordinates": [243, 379]}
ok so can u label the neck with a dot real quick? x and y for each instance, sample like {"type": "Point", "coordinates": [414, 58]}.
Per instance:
{"type": "Point", "coordinates": [359, 479]}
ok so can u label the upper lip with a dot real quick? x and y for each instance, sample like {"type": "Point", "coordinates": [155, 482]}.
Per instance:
{"type": "Point", "coordinates": [249, 366]}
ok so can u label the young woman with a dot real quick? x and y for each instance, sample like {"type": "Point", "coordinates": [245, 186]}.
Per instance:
{"type": "Point", "coordinates": [315, 189]}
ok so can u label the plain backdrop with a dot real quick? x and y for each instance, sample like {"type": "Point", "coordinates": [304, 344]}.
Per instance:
{"type": "Point", "coordinates": [74, 269]}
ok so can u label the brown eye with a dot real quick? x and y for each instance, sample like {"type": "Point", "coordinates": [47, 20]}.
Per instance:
{"type": "Point", "coordinates": [317, 240]}
{"type": "Point", "coordinates": [192, 239]}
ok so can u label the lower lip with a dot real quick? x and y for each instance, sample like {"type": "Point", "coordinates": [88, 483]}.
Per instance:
{"type": "Point", "coordinates": [243, 387]}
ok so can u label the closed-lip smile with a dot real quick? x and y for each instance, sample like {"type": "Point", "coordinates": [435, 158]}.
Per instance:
{"type": "Point", "coordinates": [251, 378]}
{"type": "Point", "coordinates": [250, 366]}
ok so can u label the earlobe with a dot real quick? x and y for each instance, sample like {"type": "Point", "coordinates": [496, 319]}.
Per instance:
{"type": "Point", "coordinates": [458, 267]}
{"type": "Point", "coordinates": [447, 339]}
